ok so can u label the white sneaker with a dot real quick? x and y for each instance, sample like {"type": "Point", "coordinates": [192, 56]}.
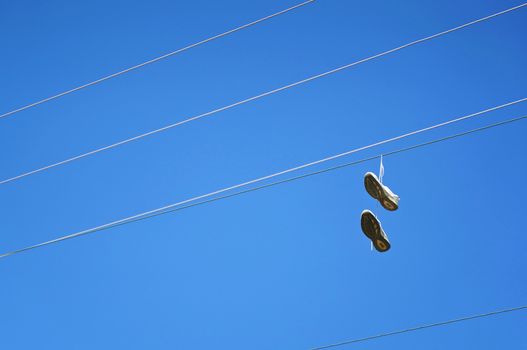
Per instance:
{"type": "Point", "coordinates": [383, 194]}
{"type": "Point", "coordinates": [372, 229]}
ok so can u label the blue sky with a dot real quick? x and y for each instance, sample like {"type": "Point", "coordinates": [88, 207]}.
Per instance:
{"type": "Point", "coordinates": [282, 268]}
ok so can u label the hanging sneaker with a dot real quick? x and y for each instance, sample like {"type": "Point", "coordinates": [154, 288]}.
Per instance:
{"type": "Point", "coordinates": [372, 229]}
{"type": "Point", "coordinates": [383, 194]}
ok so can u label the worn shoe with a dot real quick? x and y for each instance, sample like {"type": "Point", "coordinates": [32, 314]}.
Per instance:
{"type": "Point", "coordinates": [372, 229]}
{"type": "Point", "coordinates": [383, 194]}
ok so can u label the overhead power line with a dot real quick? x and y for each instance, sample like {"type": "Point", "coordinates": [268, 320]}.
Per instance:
{"type": "Point", "coordinates": [140, 65]}
{"type": "Point", "coordinates": [413, 329]}
{"type": "Point", "coordinates": [455, 120]}
{"type": "Point", "coordinates": [120, 143]}
{"type": "Point", "coordinates": [192, 202]}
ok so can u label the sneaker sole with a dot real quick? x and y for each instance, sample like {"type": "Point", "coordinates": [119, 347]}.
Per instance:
{"type": "Point", "coordinates": [376, 190]}
{"type": "Point", "coordinates": [372, 229]}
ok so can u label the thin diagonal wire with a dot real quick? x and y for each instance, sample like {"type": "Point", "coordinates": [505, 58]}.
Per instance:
{"type": "Point", "coordinates": [191, 46]}
{"type": "Point", "coordinates": [120, 143]}
{"type": "Point", "coordinates": [353, 151]}
{"type": "Point", "coordinates": [178, 206]}
{"type": "Point", "coordinates": [413, 329]}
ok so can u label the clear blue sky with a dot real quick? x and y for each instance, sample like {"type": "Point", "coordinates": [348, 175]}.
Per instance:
{"type": "Point", "coordinates": [282, 268]}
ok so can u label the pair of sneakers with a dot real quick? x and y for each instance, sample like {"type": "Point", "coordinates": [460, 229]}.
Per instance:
{"type": "Point", "coordinates": [371, 226]}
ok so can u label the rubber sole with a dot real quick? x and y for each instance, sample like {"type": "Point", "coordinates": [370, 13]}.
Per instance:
{"type": "Point", "coordinates": [371, 227]}
{"type": "Point", "coordinates": [377, 191]}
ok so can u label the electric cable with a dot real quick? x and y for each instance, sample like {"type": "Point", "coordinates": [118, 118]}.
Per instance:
{"type": "Point", "coordinates": [413, 329]}
{"type": "Point", "coordinates": [140, 65]}
{"type": "Point", "coordinates": [271, 92]}
{"type": "Point", "coordinates": [353, 151]}
{"type": "Point", "coordinates": [184, 204]}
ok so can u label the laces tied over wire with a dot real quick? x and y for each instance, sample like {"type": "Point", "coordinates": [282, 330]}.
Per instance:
{"type": "Point", "coordinates": [381, 171]}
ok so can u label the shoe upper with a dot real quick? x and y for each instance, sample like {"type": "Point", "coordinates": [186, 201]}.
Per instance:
{"type": "Point", "coordinates": [392, 195]}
